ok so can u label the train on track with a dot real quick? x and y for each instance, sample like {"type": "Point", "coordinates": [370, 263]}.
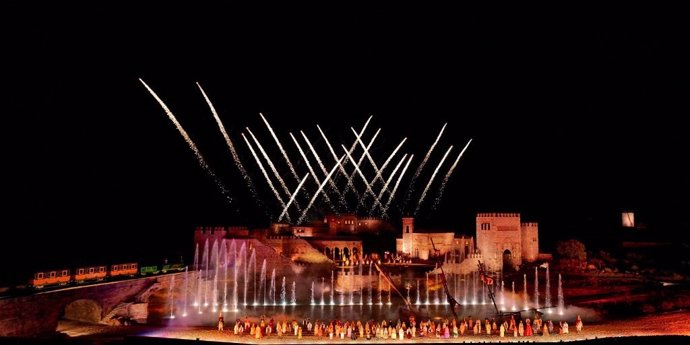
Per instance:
{"type": "Point", "coordinates": [82, 275]}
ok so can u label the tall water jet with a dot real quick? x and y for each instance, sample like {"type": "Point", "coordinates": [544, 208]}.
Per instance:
{"type": "Point", "coordinates": [503, 299]}
{"type": "Point", "coordinates": [419, 301]}
{"type": "Point", "coordinates": [352, 286]}
{"type": "Point", "coordinates": [428, 300]}
{"type": "Point", "coordinates": [361, 285]}
{"type": "Point", "coordinates": [431, 180]}
{"type": "Point", "coordinates": [447, 177]}
{"type": "Point", "coordinates": [205, 257]}
{"type": "Point", "coordinates": [293, 293]}
{"type": "Point", "coordinates": [332, 288]}
{"type": "Point", "coordinates": [224, 263]}
{"type": "Point", "coordinates": [547, 297]}
{"type": "Point", "coordinates": [273, 287]}
{"type": "Point", "coordinates": [247, 276]}
{"type": "Point", "coordinates": [524, 290]}
{"type": "Point", "coordinates": [465, 288]}
{"type": "Point", "coordinates": [283, 293]}
{"type": "Point", "coordinates": [199, 157]}
{"type": "Point", "coordinates": [196, 269]}
{"type": "Point", "coordinates": [474, 288]}
{"type": "Point", "coordinates": [172, 296]}
{"type": "Point", "coordinates": [371, 290]}
{"type": "Point", "coordinates": [237, 261]}
{"type": "Point", "coordinates": [312, 293]}
{"type": "Point", "coordinates": [380, 290]}
{"type": "Point", "coordinates": [561, 303]}
{"type": "Point", "coordinates": [342, 293]}
{"type": "Point", "coordinates": [436, 296]}
{"type": "Point", "coordinates": [262, 284]}
{"type": "Point", "coordinates": [536, 287]}
{"type": "Point", "coordinates": [186, 290]}
{"type": "Point", "coordinates": [323, 288]}
{"type": "Point", "coordinates": [513, 294]}
{"type": "Point", "coordinates": [390, 289]}
{"type": "Point", "coordinates": [214, 260]}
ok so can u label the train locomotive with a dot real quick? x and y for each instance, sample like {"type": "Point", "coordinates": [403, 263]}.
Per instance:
{"type": "Point", "coordinates": [82, 275]}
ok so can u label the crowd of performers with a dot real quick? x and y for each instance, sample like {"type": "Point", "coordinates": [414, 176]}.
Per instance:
{"type": "Point", "coordinates": [443, 329]}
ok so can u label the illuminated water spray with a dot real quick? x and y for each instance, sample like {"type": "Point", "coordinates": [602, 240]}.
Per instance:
{"type": "Point", "coordinates": [200, 158]}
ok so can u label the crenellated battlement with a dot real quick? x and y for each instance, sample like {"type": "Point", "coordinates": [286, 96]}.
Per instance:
{"type": "Point", "coordinates": [499, 214]}
{"type": "Point", "coordinates": [529, 224]}
{"type": "Point", "coordinates": [210, 230]}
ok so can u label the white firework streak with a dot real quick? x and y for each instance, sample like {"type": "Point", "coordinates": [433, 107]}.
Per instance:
{"type": "Point", "coordinates": [323, 168]}
{"type": "Point", "coordinates": [190, 143]}
{"type": "Point", "coordinates": [379, 172]}
{"type": "Point", "coordinates": [263, 170]}
{"type": "Point", "coordinates": [366, 153]}
{"type": "Point", "coordinates": [397, 183]}
{"type": "Point", "coordinates": [428, 185]}
{"type": "Point", "coordinates": [421, 165]}
{"type": "Point", "coordinates": [292, 198]}
{"type": "Point", "coordinates": [231, 146]}
{"type": "Point", "coordinates": [359, 172]}
{"type": "Point", "coordinates": [350, 185]}
{"type": "Point", "coordinates": [361, 158]}
{"type": "Point", "coordinates": [450, 172]}
{"type": "Point", "coordinates": [280, 147]}
{"type": "Point", "coordinates": [311, 170]}
{"type": "Point", "coordinates": [316, 195]}
{"type": "Point", "coordinates": [340, 166]}
{"type": "Point", "coordinates": [390, 178]}
{"type": "Point", "coordinates": [273, 168]}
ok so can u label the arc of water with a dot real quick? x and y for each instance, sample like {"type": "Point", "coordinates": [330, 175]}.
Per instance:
{"type": "Point", "coordinates": [263, 171]}
{"type": "Point", "coordinates": [447, 177]}
{"type": "Point", "coordinates": [272, 167]}
{"type": "Point", "coordinates": [431, 180]}
{"type": "Point", "coordinates": [280, 147]}
{"type": "Point", "coordinates": [199, 157]}
{"type": "Point", "coordinates": [423, 163]}
{"type": "Point", "coordinates": [317, 180]}
{"type": "Point", "coordinates": [311, 202]}
{"type": "Point", "coordinates": [397, 184]}
{"type": "Point", "coordinates": [287, 206]}
{"type": "Point", "coordinates": [364, 179]}
{"type": "Point", "coordinates": [231, 147]}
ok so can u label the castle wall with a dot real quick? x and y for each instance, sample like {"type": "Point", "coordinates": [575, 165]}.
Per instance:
{"type": "Point", "coordinates": [334, 249]}
{"type": "Point", "coordinates": [530, 241]}
{"type": "Point", "coordinates": [496, 234]}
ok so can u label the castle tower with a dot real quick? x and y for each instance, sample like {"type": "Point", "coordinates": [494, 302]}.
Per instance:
{"type": "Point", "coordinates": [530, 241]}
{"type": "Point", "coordinates": [408, 235]}
{"type": "Point", "coordinates": [499, 239]}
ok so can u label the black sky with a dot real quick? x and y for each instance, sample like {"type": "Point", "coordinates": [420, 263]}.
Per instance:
{"type": "Point", "coordinates": [576, 112]}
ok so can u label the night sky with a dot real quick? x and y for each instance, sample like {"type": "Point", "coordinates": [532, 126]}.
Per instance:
{"type": "Point", "coordinates": [576, 115]}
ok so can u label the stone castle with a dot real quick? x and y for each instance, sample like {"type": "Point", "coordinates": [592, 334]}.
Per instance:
{"type": "Point", "coordinates": [501, 240]}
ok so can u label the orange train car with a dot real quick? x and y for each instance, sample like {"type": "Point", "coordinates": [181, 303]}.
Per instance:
{"type": "Point", "coordinates": [83, 274]}
{"type": "Point", "coordinates": [128, 269]}
{"type": "Point", "coordinates": [41, 279]}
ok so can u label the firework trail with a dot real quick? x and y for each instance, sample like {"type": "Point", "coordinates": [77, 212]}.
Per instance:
{"type": "Point", "coordinates": [199, 157]}
{"type": "Point", "coordinates": [390, 178]}
{"type": "Point", "coordinates": [292, 198]}
{"type": "Point", "coordinates": [323, 168]}
{"type": "Point", "coordinates": [397, 183]}
{"type": "Point", "coordinates": [428, 185]}
{"type": "Point", "coordinates": [280, 147]}
{"type": "Point", "coordinates": [263, 170]}
{"type": "Point", "coordinates": [359, 172]}
{"type": "Point", "coordinates": [421, 166]}
{"type": "Point", "coordinates": [231, 146]}
{"type": "Point", "coordinates": [341, 167]}
{"type": "Point", "coordinates": [273, 168]}
{"type": "Point", "coordinates": [311, 202]}
{"type": "Point", "coordinates": [311, 170]}
{"type": "Point", "coordinates": [445, 179]}
{"type": "Point", "coordinates": [356, 165]}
